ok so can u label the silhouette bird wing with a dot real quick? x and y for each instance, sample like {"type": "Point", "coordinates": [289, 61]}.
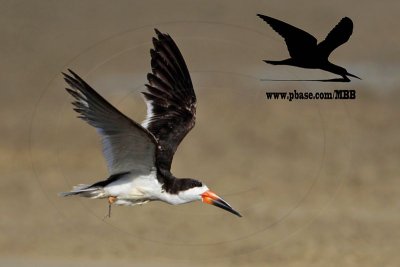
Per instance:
{"type": "Point", "coordinates": [336, 37]}
{"type": "Point", "coordinates": [127, 146]}
{"type": "Point", "coordinates": [298, 42]}
{"type": "Point", "coordinates": [170, 98]}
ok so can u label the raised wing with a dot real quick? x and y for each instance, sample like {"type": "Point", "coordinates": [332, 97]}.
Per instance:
{"type": "Point", "coordinates": [298, 42]}
{"type": "Point", "coordinates": [336, 37]}
{"type": "Point", "coordinates": [127, 146]}
{"type": "Point", "coordinates": [170, 98]}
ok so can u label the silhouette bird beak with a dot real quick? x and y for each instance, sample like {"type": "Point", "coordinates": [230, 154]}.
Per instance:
{"type": "Point", "coordinates": [352, 75]}
{"type": "Point", "coordinates": [210, 197]}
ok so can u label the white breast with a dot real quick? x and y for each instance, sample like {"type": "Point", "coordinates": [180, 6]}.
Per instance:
{"type": "Point", "coordinates": [134, 188]}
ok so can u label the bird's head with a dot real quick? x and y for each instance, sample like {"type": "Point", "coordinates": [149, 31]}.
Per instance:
{"type": "Point", "coordinates": [345, 73]}
{"type": "Point", "coordinates": [340, 71]}
{"type": "Point", "coordinates": [196, 190]}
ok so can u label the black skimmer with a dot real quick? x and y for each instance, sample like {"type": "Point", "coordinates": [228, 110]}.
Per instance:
{"type": "Point", "coordinates": [139, 156]}
{"type": "Point", "coordinates": [306, 53]}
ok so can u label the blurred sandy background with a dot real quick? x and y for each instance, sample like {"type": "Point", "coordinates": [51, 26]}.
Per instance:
{"type": "Point", "coordinates": [317, 181]}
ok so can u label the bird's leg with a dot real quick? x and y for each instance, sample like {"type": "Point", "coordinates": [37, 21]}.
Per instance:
{"type": "Point", "coordinates": [111, 200]}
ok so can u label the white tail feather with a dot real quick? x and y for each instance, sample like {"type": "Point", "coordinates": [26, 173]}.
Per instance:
{"type": "Point", "coordinates": [84, 190]}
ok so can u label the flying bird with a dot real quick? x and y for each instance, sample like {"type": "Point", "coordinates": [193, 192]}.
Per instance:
{"type": "Point", "coordinates": [139, 156]}
{"type": "Point", "coordinates": [304, 50]}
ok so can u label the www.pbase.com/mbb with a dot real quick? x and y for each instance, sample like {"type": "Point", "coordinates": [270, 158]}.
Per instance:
{"type": "Point", "coordinates": [295, 95]}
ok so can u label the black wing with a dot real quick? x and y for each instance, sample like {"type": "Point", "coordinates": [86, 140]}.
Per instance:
{"type": "Point", "coordinates": [298, 42]}
{"type": "Point", "coordinates": [336, 37]}
{"type": "Point", "coordinates": [127, 146]}
{"type": "Point", "coordinates": [170, 98]}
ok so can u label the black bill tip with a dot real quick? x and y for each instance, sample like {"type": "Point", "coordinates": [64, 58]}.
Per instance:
{"type": "Point", "coordinates": [220, 203]}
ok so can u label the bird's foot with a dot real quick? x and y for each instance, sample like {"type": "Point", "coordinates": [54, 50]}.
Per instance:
{"type": "Point", "coordinates": [111, 200]}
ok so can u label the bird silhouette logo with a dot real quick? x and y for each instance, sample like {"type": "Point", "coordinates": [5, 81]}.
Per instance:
{"type": "Point", "coordinates": [305, 52]}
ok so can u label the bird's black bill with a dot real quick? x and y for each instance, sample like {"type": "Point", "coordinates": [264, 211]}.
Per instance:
{"type": "Point", "coordinates": [223, 205]}
{"type": "Point", "coordinates": [352, 75]}
{"type": "Point", "coordinates": [210, 197]}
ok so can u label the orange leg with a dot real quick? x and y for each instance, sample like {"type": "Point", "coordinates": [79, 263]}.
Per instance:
{"type": "Point", "coordinates": [111, 200]}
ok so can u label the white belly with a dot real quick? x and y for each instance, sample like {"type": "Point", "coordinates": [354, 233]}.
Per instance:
{"type": "Point", "coordinates": [134, 189]}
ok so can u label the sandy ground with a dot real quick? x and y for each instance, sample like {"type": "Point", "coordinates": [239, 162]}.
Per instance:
{"type": "Point", "coordinates": [316, 181]}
